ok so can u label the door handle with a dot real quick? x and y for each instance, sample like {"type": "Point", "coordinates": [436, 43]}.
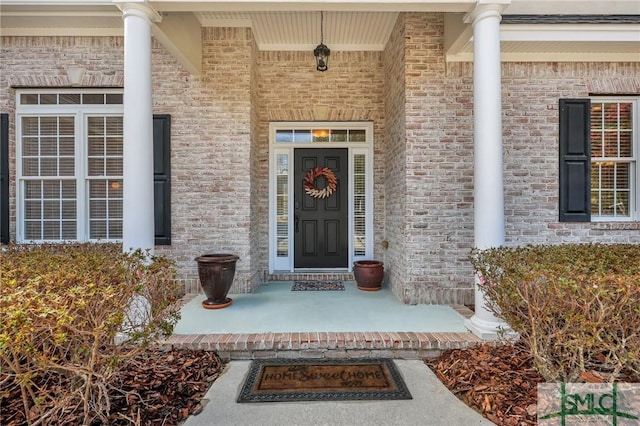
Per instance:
{"type": "Point", "coordinates": [296, 221]}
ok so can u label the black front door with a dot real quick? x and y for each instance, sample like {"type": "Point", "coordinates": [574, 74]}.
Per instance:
{"type": "Point", "coordinates": [320, 221]}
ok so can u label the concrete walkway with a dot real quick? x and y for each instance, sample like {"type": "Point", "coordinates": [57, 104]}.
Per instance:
{"type": "Point", "coordinates": [432, 405]}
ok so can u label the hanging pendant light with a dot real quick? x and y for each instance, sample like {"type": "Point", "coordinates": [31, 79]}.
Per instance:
{"type": "Point", "coordinates": [322, 52]}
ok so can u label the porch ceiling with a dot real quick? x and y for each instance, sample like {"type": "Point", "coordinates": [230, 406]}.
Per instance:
{"type": "Point", "coordinates": [300, 30]}
{"type": "Point", "coordinates": [349, 25]}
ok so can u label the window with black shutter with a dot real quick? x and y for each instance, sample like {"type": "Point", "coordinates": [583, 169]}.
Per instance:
{"type": "Point", "coordinates": [162, 178]}
{"type": "Point", "coordinates": [575, 160]}
{"type": "Point", "coordinates": [69, 167]}
{"type": "Point", "coordinates": [4, 178]}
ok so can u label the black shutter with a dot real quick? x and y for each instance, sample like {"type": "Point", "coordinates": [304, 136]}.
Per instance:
{"type": "Point", "coordinates": [162, 178]}
{"type": "Point", "coordinates": [575, 160]}
{"type": "Point", "coordinates": [4, 178]}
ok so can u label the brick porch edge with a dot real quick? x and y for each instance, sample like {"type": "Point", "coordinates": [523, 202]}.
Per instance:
{"type": "Point", "coordinates": [323, 344]}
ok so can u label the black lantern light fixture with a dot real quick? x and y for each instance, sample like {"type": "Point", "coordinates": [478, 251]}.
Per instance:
{"type": "Point", "coordinates": [322, 52]}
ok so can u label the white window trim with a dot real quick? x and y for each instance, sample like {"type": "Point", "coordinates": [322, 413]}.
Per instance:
{"type": "Point", "coordinates": [283, 264]}
{"type": "Point", "coordinates": [634, 190]}
{"type": "Point", "coordinates": [80, 113]}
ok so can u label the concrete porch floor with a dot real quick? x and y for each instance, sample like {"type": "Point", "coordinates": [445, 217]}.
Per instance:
{"type": "Point", "coordinates": [275, 322]}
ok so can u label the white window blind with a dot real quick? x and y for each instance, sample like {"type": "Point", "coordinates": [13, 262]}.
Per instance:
{"type": "Point", "coordinates": [613, 158]}
{"type": "Point", "coordinates": [69, 166]}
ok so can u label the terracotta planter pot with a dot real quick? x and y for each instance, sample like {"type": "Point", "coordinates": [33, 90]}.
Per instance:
{"type": "Point", "coordinates": [369, 274]}
{"type": "Point", "coordinates": [216, 272]}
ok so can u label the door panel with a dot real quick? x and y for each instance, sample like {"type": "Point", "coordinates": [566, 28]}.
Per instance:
{"type": "Point", "coordinates": [310, 237]}
{"type": "Point", "coordinates": [321, 224]}
{"type": "Point", "coordinates": [332, 237]}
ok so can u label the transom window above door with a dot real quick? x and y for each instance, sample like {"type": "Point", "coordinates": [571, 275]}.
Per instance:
{"type": "Point", "coordinates": [320, 135]}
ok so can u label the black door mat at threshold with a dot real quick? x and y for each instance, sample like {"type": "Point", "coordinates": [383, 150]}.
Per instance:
{"type": "Point", "coordinates": [317, 286]}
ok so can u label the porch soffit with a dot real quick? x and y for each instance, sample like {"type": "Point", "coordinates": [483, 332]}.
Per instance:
{"type": "Point", "coordinates": [349, 25]}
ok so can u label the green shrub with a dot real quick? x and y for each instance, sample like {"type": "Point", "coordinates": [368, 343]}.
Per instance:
{"type": "Point", "coordinates": [63, 306]}
{"type": "Point", "coordinates": [577, 306]}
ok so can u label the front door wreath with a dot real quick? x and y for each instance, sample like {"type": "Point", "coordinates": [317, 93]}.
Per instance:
{"type": "Point", "coordinates": [310, 182]}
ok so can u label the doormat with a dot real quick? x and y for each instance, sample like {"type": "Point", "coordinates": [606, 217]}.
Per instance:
{"type": "Point", "coordinates": [284, 380]}
{"type": "Point", "coordinates": [317, 286]}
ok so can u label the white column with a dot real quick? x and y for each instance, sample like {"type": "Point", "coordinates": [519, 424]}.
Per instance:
{"type": "Point", "coordinates": [138, 225]}
{"type": "Point", "coordinates": [488, 164]}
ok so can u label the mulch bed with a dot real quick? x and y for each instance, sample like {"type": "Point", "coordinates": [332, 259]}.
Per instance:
{"type": "Point", "coordinates": [497, 381]}
{"type": "Point", "coordinates": [164, 388]}
{"type": "Point", "coordinates": [158, 388]}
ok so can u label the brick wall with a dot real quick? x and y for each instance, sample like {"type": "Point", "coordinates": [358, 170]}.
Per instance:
{"type": "Point", "coordinates": [438, 201]}
{"type": "Point", "coordinates": [396, 256]}
{"type": "Point", "coordinates": [211, 152]}
{"type": "Point", "coordinates": [423, 129]}
{"type": "Point", "coordinates": [439, 169]}
{"type": "Point", "coordinates": [530, 129]}
{"type": "Point", "coordinates": [211, 128]}
{"type": "Point", "coordinates": [290, 88]}
{"type": "Point", "coordinates": [43, 62]}
{"type": "Point", "coordinates": [258, 159]}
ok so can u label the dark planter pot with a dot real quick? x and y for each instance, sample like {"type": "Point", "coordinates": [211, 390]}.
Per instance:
{"type": "Point", "coordinates": [368, 274]}
{"type": "Point", "coordinates": [216, 272]}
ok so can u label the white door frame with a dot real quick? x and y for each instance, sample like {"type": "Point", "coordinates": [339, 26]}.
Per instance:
{"type": "Point", "coordinates": [358, 151]}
